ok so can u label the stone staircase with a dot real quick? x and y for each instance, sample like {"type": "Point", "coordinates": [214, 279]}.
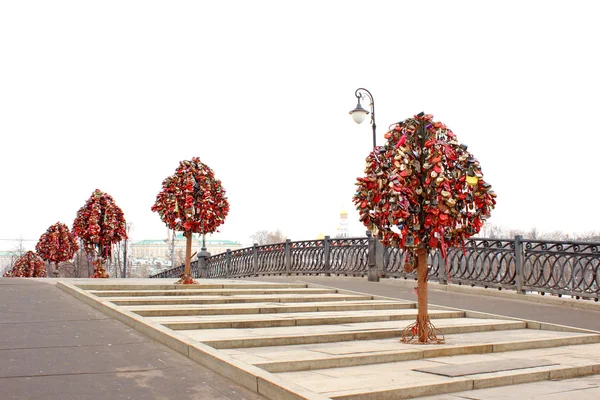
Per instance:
{"type": "Point", "coordinates": [290, 341]}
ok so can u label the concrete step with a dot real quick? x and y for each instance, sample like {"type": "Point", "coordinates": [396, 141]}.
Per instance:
{"type": "Point", "coordinates": [426, 377]}
{"type": "Point", "coordinates": [204, 292]}
{"type": "Point", "coordinates": [281, 298]}
{"type": "Point", "coordinates": [302, 319]}
{"type": "Point", "coordinates": [345, 354]}
{"type": "Point", "coordinates": [285, 336]}
{"type": "Point", "coordinates": [579, 388]}
{"type": "Point", "coordinates": [224, 284]}
{"type": "Point", "coordinates": [267, 308]}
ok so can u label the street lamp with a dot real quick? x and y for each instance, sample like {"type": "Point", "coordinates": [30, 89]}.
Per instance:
{"type": "Point", "coordinates": [359, 113]}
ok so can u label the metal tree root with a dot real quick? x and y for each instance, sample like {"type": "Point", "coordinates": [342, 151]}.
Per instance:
{"type": "Point", "coordinates": [410, 334]}
{"type": "Point", "coordinates": [99, 270]}
{"type": "Point", "coordinates": [186, 280]}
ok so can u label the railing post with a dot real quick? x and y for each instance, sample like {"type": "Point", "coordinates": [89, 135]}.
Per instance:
{"type": "Point", "coordinates": [373, 276]}
{"type": "Point", "coordinates": [379, 258]}
{"type": "Point", "coordinates": [519, 275]}
{"type": "Point", "coordinates": [255, 259]}
{"type": "Point", "coordinates": [287, 257]}
{"type": "Point", "coordinates": [202, 263]}
{"type": "Point", "coordinates": [442, 268]}
{"type": "Point", "coordinates": [326, 260]}
{"type": "Point", "coordinates": [227, 262]}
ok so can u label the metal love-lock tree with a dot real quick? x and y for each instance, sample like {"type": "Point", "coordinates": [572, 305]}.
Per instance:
{"type": "Point", "coordinates": [29, 265]}
{"type": "Point", "coordinates": [422, 190]}
{"type": "Point", "coordinates": [100, 223]}
{"type": "Point", "coordinates": [193, 201]}
{"type": "Point", "coordinates": [57, 245]}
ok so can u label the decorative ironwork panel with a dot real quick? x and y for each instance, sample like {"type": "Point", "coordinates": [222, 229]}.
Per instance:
{"type": "Point", "coordinates": [241, 263]}
{"type": "Point", "coordinates": [307, 257]}
{"type": "Point", "coordinates": [194, 269]}
{"type": "Point", "coordinates": [271, 259]}
{"type": "Point", "coordinates": [349, 256]}
{"type": "Point", "coordinates": [434, 259]}
{"type": "Point", "coordinates": [394, 260]}
{"type": "Point", "coordinates": [483, 262]}
{"type": "Point", "coordinates": [571, 268]}
{"type": "Point", "coordinates": [216, 266]}
{"type": "Point", "coordinates": [393, 263]}
{"type": "Point", "coordinates": [170, 273]}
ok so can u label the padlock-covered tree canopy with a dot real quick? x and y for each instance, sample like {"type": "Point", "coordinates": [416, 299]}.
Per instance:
{"type": "Point", "coordinates": [57, 244]}
{"type": "Point", "coordinates": [192, 200]}
{"type": "Point", "coordinates": [423, 190]}
{"type": "Point", "coordinates": [29, 265]}
{"type": "Point", "coordinates": [100, 223]}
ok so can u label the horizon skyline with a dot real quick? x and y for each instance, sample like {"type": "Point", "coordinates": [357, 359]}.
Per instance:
{"type": "Point", "coordinates": [114, 95]}
{"type": "Point", "coordinates": [485, 228]}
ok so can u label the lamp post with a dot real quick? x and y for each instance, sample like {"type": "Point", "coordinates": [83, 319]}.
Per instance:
{"type": "Point", "coordinates": [359, 113]}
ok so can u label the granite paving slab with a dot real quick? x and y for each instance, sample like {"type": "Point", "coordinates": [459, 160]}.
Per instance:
{"type": "Point", "coordinates": [484, 367]}
{"type": "Point", "coordinates": [349, 382]}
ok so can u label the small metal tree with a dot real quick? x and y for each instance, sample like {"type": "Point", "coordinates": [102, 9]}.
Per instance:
{"type": "Point", "coordinates": [422, 190]}
{"type": "Point", "coordinates": [193, 201]}
{"type": "Point", "coordinates": [100, 223]}
{"type": "Point", "coordinates": [29, 265]}
{"type": "Point", "coordinates": [57, 245]}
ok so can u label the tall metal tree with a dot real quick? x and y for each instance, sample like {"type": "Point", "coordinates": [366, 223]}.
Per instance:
{"type": "Point", "coordinates": [422, 190]}
{"type": "Point", "coordinates": [29, 265]}
{"type": "Point", "coordinates": [100, 223]}
{"type": "Point", "coordinates": [193, 201]}
{"type": "Point", "coordinates": [57, 245]}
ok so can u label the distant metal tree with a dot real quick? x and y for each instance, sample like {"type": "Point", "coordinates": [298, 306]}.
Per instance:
{"type": "Point", "coordinates": [422, 190]}
{"type": "Point", "coordinates": [100, 223]}
{"type": "Point", "coordinates": [192, 200]}
{"type": "Point", "coordinates": [29, 265]}
{"type": "Point", "coordinates": [57, 245]}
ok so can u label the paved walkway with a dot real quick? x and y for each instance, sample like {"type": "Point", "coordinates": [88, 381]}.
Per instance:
{"type": "Point", "coordinates": [54, 347]}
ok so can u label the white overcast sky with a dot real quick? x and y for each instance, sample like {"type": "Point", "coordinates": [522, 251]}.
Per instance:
{"type": "Point", "coordinates": [113, 94]}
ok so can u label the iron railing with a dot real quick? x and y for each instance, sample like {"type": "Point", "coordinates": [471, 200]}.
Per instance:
{"type": "Point", "coordinates": [557, 267]}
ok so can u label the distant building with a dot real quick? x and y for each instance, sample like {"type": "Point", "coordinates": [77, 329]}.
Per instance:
{"type": "Point", "coordinates": [157, 252]}
{"type": "Point", "coordinates": [342, 230]}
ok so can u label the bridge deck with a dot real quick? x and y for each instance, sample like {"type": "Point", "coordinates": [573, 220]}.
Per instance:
{"type": "Point", "coordinates": [329, 343]}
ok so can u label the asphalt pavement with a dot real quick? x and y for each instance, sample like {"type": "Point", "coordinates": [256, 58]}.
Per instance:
{"type": "Point", "coordinates": [54, 347]}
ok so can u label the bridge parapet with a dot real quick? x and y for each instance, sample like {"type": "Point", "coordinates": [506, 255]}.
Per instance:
{"type": "Point", "coordinates": [557, 267]}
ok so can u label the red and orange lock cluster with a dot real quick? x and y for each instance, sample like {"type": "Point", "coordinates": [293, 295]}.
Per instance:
{"type": "Point", "coordinates": [29, 265]}
{"type": "Point", "coordinates": [192, 199]}
{"type": "Point", "coordinates": [100, 223]}
{"type": "Point", "coordinates": [99, 271]}
{"type": "Point", "coordinates": [423, 188]}
{"type": "Point", "coordinates": [57, 244]}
